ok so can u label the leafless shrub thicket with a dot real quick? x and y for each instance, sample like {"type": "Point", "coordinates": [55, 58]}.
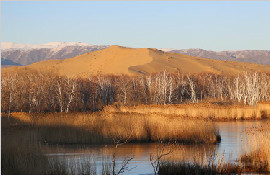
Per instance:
{"type": "Point", "coordinates": [36, 92]}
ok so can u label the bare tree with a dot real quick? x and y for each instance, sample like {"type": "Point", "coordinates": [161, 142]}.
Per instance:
{"type": "Point", "coordinates": [118, 141]}
{"type": "Point", "coordinates": [161, 150]}
{"type": "Point", "coordinates": [106, 90]}
{"type": "Point", "coordinates": [60, 94]}
{"type": "Point", "coordinates": [39, 92]}
{"type": "Point", "coordinates": [193, 97]}
{"type": "Point", "coordinates": [71, 86]}
{"type": "Point", "coordinates": [124, 87]}
{"type": "Point", "coordinates": [8, 90]}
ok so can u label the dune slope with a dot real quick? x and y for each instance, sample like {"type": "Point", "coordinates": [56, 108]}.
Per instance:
{"type": "Point", "coordinates": [120, 60]}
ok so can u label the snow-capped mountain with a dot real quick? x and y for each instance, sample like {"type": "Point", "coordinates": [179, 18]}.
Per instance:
{"type": "Point", "coordinates": [12, 46]}
{"type": "Point", "coordinates": [25, 54]}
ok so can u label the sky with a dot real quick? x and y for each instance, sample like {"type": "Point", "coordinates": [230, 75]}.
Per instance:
{"type": "Point", "coordinates": [210, 25]}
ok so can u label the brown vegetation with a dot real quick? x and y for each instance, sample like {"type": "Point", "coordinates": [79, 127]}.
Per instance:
{"type": "Point", "coordinates": [200, 111]}
{"type": "Point", "coordinates": [21, 154]}
{"type": "Point", "coordinates": [256, 159]}
{"type": "Point", "coordinates": [33, 131]}
{"type": "Point", "coordinates": [184, 168]}
{"type": "Point", "coordinates": [38, 92]}
{"type": "Point", "coordinates": [105, 128]}
{"type": "Point", "coordinates": [258, 154]}
{"type": "Point", "coordinates": [20, 151]}
{"type": "Point", "coordinates": [213, 163]}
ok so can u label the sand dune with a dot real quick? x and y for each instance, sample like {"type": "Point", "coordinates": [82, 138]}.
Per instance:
{"type": "Point", "coordinates": [121, 60]}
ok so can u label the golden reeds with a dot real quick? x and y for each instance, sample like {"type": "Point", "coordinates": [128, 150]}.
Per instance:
{"type": "Point", "coordinates": [103, 127]}
{"type": "Point", "coordinates": [200, 111]}
{"type": "Point", "coordinates": [259, 149]}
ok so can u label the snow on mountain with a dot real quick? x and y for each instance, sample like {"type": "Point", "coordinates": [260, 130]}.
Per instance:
{"type": "Point", "coordinates": [12, 46]}
{"type": "Point", "coordinates": [64, 44]}
{"type": "Point", "coordinates": [166, 49]}
{"type": "Point", "coordinates": [25, 54]}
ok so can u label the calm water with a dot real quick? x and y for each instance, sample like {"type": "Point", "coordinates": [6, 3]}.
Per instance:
{"type": "Point", "coordinates": [233, 143]}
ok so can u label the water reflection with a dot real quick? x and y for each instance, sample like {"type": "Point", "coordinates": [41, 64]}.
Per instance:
{"type": "Point", "coordinates": [233, 137]}
{"type": "Point", "coordinates": [232, 146]}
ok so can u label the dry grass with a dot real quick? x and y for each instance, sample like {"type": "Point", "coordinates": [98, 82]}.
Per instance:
{"type": "Point", "coordinates": [258, 154]}
{"type": "Point", "coordinates": [20, 152]}
{"type": "Point", "coordinates": [103, 127]}
{"type": "Point", "coordinates": [83, 167]}
{"type": "Point", "coordinates": [27, 130]}
{"type": "Point", "coordinates": [201, 111]}
{"type": "Point", "coordinates": [180, 168]}
{"type": "Point", "coordinates": [255, 160]}
{"type": "Point", "coordinates": [213, 163]}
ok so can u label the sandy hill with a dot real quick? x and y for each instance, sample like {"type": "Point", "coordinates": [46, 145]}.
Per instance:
{"type": "Point", "coordinates": [120, 60]}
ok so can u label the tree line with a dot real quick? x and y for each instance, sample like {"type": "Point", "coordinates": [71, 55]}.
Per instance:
{"type": "Point", "coordinates": [39, 92]}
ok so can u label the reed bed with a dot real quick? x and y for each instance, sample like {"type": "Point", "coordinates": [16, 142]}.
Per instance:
{"type": "Point", "coordinates": [20, 152]}
{"type": "Point", "coordinates": [31, 131]}
{"type": "Point", "coordinates": [201, 110]}
{"type": "Point", "coordinates": [105, 128]}
{"type": "Point", "coordinates": [258, 154]}
{"type": "Point", "coordinates": [204, 163]}
{"type": "Point", "coordinates": [83, 167]}
{"type": "Point", "coordinates": [183, 168]}
{"type": "Point", "coordinates": [256, 158]}
{"type": "Point", "coordinates": [28, 159]}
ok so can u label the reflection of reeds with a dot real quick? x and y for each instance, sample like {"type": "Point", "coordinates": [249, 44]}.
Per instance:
{"type": "Point", "coordinates": [201, 110]}
{"type": "Point", "coordinates": [103, 127]}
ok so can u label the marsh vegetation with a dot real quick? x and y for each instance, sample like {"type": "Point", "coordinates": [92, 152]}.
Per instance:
{"type": "Point", "coordinates": [170, 111]}
{"type": "Point", "coordinates": [36, 134]}
{"type": "Point", "coordinates": [104, 128]}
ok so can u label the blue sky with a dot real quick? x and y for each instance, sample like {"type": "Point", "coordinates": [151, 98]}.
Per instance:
{"type": "Point", "coordinates": [194, 24]}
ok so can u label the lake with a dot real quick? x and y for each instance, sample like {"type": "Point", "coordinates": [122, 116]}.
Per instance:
{"type": "Point", "coordinates": [233, 144]}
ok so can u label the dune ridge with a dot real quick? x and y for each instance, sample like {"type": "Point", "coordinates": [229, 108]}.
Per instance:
{"type": "Point", "coordinates": [118, 60]}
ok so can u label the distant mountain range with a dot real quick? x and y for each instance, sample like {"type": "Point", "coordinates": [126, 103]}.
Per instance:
{"type": "Point", "coordinates": [250, 56]}
{"type": "Point", "coordinates": [118, 60]}
{"type": "Point", "coordinates": [7, 63]}
{"type": "Point", "coordinates": [25, 54]}
{"type": "Point", "coordinates": [12, 46]}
